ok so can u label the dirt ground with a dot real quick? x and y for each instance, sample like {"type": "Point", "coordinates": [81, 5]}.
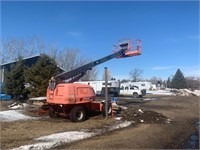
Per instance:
{"type": "Point", "coordinates": [182, 111]}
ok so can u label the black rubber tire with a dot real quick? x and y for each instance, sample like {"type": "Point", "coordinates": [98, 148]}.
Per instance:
{"type": "Point", "coordinates": [109, 109]}
{"type": "Point", "coordinates": [116, 94]}
{"type": "Point", "coordinates": [143, 92]}
{"type": "Point", "coordinates": [135, 95]}
{"type": "Point", "coordinates": [77, 114]}
{"type": "Point", "coordinates": [51, 112]}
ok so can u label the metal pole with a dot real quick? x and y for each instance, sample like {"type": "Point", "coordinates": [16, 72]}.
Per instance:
{"type": "Point", "coordinates": [106, 92]}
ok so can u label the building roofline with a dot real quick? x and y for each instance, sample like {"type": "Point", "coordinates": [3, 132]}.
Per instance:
{"type": "Point", "coordinates": [38, 55]}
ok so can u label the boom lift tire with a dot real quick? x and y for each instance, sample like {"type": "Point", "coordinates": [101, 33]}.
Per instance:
{"type": "Point", "coordinates": [116, 94]}
{"type": "Point", "coordinates": [109, 109]}
{"type": "Point", "coordinates": [77, 114]}
{"type": "Point", "coordinates": [52, 113]}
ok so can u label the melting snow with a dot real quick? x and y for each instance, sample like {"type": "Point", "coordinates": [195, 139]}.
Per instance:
{"type": "Point", "coordinates": [54, 140]}
{"type": "Point", "coordinates": [13, 115]}
{"type": "Point", "coordinates": [57, 139]}
{"type": "Point", "coordinates": [160, 92]}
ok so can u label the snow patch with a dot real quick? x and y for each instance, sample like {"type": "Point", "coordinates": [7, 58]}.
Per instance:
{"type": "Point", "coordinates": [17, 105]}
{"type": "Point", "coordinates": [37, 98]}
{"type": "Point", "coordinates": [186, 92]}
{"type": "Point", "coordinates": [197, 92]}
{"type": "Point", "coordinates": [54, 140]}
{"type": "Point", "coordinates": [57, 139]}
{"type": "Point", "coordinates": [160, 92]}
{"type": "Point", "coordinates": [13, 115]}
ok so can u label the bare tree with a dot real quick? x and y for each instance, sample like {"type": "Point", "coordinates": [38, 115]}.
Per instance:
{"type": "Point", "coordinates": [13, 48]}
{"type": "Point", "coordinates": [124, 80]}
{"type": "Point", "coordinates": [193, 82]}
{"type": "Point", "coordinates": [136, 74]}
{"type": "Point", "coordinates": [34, 45]}
{"type": "Point", "coordinates": [154, 80]}
{"type": "Point", "coordinates": [70, 58]}
{"type": "Point", "coordinates": [52, 51]}
{"type": "Point", "coordinates": [10, 50]}
{"type": "Point", "coordinates": [91, 75]}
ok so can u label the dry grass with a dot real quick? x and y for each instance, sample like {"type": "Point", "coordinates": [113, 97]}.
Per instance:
{"type": "Point", "coordinates": [114, 139]}
{"type": "Point", "coordinates": [183, 111]}
{"type": "Point", "coordinates": [4, 105]}
{"type": "Point", "coordinates": [14, 134]}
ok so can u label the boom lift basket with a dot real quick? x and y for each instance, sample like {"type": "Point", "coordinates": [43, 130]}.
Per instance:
{"type": "Point", "coordinates": [131, 48]}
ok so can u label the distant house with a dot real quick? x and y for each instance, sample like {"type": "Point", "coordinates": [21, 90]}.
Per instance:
{"type": "Point", "coordinates": [28, 61]}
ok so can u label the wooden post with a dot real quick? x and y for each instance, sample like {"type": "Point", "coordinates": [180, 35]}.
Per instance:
{"type": "Point", "coordinates": [106, 92]}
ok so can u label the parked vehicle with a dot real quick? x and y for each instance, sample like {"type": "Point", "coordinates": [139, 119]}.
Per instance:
{"type": "Point", "coordinates": [5, 97]}
{"type": "Point", "coordinates": [99, 87]}
{"type": "Point", "coordinates": [132, 91]}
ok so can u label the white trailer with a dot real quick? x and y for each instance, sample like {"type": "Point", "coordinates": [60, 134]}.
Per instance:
{"type": "Point", "coordinates": [141, 85]}
{"type": "Point", "coordinates": [99, 87]}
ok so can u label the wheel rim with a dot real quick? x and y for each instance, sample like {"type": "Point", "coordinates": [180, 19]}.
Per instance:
{"type": "Point", "coordinates": [79, 115]}
{"type": "Point", "coordinates": [135, 95]}
{"type": "Point", "coordinates": [109, 110]}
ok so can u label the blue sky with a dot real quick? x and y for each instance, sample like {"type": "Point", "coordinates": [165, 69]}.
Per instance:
{"type": "Point", "coordinates": [169, 31]}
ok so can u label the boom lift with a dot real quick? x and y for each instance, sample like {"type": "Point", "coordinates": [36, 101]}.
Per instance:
{"type": "Point", "coordinates": [74, 99]}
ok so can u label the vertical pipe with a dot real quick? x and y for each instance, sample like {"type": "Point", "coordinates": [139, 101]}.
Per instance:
{"type": "Point", "coordinates": [106, 92]}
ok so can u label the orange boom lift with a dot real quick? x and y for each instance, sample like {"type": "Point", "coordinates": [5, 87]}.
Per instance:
{"type": "Point", "coordinates": [76, 100]}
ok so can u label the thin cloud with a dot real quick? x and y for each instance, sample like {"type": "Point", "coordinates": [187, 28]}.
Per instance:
{"type": "Point", "coordinates": [162, 67]}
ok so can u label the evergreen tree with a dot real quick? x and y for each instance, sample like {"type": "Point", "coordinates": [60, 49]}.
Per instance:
{"type": "Point", "coordinates": [15, 80]}
{"type": "Point", "coordinates": [169, 83]}
{"type": "Point", "coordinates": [39, 74]}
{"type": "Point", "coordinates": [178, 80]}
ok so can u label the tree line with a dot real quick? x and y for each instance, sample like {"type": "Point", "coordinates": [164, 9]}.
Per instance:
{"type": "Point", "coordinates": [177, 81]}
{"type": "Point", "coordinates": [33, 81]}
{"type": "Point", "coordinates": [21, 80]}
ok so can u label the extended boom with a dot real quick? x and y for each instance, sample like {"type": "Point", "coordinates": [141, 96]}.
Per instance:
{"type": "Point", "coordinates": [124, 50]}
